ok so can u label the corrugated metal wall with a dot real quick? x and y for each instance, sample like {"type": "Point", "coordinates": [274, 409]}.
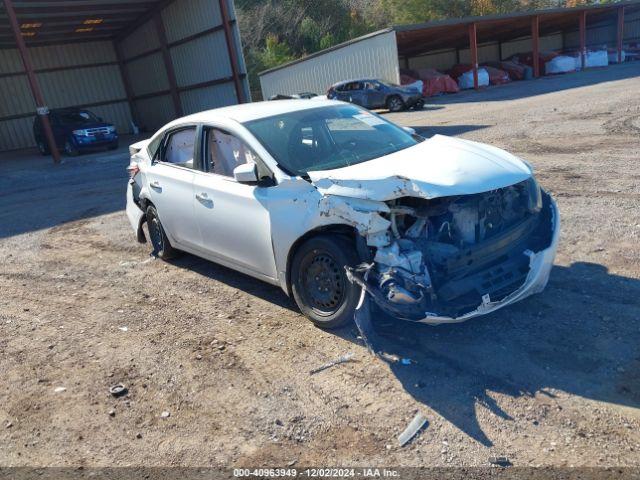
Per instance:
{"type": "Point", "coordinates": [486, 52]}
{"type": "Point", "coordinates": [606, 34]}
{"type": "Point", "coordinates": [61, 88]}
{"type": "Point", "coordinates": [198, 52]}
{"type": "Point", "coordinates": [375, 57]}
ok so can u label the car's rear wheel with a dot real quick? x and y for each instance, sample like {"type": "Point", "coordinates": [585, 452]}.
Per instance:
{"type": "Point", "coordinates": [70, 148]}
{"type": "Point", "coordinates": [319, 281]}
{"type": "Point", "coordinates": [419, 105]}
{"type": "Point", "coordinates": [161, 245]}
{"type": "Point", "coordinates": [395, 103]}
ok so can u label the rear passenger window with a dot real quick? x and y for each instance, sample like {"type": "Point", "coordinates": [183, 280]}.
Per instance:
{"type": "Point", "coordinates": [179, 149]}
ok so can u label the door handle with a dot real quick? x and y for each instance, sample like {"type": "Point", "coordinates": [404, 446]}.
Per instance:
{"type": "Point", "coordinates": [203, 197]}
{"type": "Point", "coordinates": [155, 185]}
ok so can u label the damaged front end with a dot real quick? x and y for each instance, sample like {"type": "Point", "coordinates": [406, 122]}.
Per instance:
{"type": "Point", "coordinates": [451, 258]}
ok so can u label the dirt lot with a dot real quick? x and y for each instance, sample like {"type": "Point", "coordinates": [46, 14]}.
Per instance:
{"type": "Point", "coordinates": [554, 380]}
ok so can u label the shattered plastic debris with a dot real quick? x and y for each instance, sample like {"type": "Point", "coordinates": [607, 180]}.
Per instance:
{"type": "Point", "coordinates": [343, 359]}
{"type": "Point", "coordinates": [500, 461]}
{"type": "Point", "coordinates": [60, 389]}
{"type": "Point", "coordinates": [362, 319]}
{"type": "Point", "coordinates": [412, 429]}
{"type": "Point", "coordinates": [124, 329]}
{"type": "Point", "coordinates": [118, 390]}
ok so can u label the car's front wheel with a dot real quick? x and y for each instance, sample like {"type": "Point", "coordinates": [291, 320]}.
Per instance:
{"type": "Point", "coordinates": [43, 148]}
{"type": "Point", "coordinates": [161, 245]}
{"type": "Point", "coordinates": [319, 281]}
{"type": "Point", "coordinates": [70, 148]}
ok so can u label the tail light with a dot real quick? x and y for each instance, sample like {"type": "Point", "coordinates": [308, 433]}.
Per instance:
{"type": "Point", "coordinates": [133, 169]}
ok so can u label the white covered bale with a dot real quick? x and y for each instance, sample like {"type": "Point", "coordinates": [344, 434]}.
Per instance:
{"type": "Point", "coordinates": [465, 81]}
{"type": "Point", "coordinates": [598, 58]}
{"type": "Point", "coordinates": [560, 64]}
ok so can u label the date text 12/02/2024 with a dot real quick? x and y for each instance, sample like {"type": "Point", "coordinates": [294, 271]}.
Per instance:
{"type": "Point", "coordinates": [315, 472]}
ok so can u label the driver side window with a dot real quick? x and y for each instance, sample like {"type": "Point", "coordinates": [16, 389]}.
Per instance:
{"type": "Point", "coordinates": [226, 152]}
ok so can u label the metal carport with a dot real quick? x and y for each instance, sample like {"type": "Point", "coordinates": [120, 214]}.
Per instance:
{"type": "Point", "coordinates": [472, 40]}
{"type": "Point", "coordinates": [140, 61]}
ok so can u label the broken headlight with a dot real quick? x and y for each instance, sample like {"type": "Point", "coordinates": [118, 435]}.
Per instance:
{"type": "Point", "coordinates": [534, 198]}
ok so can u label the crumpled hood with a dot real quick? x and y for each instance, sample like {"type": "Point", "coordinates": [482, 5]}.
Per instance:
{"type": "Point", "coordinates": [439, 167]}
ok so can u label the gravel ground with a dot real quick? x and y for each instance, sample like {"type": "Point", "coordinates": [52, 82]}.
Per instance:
{"type": "Point", "coordinates": [553, 380]}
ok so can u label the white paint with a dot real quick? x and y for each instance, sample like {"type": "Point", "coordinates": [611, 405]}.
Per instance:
{"type": "Point", "coordinates": [439, 167]}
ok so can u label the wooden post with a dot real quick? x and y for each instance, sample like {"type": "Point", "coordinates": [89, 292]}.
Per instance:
{"type": "Point", "coordinates": [231, 49]}
{"type": "Point", "coordinates": [535, 39]}
{"type": "Point", "coordinates": [620, 32]}
{"type": "Point", "coordinates": [42, 109]}
{"type": "Point", "coordinates": [473, 47]}
{"type": "Point", "coordinates": [168, 64]}
{"type": "Point", "coordinates": [583, 38]}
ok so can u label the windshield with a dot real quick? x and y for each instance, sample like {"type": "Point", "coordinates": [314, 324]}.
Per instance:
{"type": "Point", "coordinates": [78, 117]}
{"type": "Point", "coordinates": [326, 138]}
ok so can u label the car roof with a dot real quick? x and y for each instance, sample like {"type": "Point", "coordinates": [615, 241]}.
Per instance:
{"type": "Point", "coordinates": [246, 112]}
{"type": "Point", "coordinates": [355, 80]}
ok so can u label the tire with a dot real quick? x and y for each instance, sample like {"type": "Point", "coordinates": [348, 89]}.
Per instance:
{"type": "Point", "coordinates": [161, 245]}
{"type": "Point", "coordinates": [395, 103]}
{"type": "Point", "coordinates": [44, 150]}
{"type": "Point", "coordinates": [419, 105]}
{"type": "Point", "coordinates": [319, 282]}
{"type": "Point", "coordinates": [70, 149]}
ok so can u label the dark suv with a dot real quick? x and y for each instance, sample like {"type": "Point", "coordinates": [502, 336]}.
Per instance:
{"type": "Point", "coordinates": [76, 130]}
{"type": "Point", "coordinates": [377, 94]}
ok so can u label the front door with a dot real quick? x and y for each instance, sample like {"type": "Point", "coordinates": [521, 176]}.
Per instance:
{"type": "Point", "coordinates": [170, 180]}
{"type": "Point", "coordinates": [375, 95]}
{"type": "Point", "coordinates": [233, 217]}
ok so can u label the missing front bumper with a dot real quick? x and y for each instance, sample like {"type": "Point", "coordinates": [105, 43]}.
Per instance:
{"type": "Point", "coordinates": [523, 272]}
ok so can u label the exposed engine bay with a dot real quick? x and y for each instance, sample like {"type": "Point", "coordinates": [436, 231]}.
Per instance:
{"type": "Point", "coordinates": [451, 255]}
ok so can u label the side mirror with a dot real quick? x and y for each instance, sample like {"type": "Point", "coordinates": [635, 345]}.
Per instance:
{"type": "Point", "coordinates": [409, 130]}
{"type": "Point", "coordinates": [246, 173]}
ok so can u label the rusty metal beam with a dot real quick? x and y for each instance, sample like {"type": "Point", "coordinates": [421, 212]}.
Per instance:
{"type": "Point", "coordinates": [583, 38]}
{"type": "Point", "coordinates": [620, 32]}
{"type": "Point", "coordinates": [25, 8]}
{"type": "Point", "coordinates": [168, 63]}
{"type": "Point", "coordinates": [124, 74]}
{"type": "Point", "coordinates": [473, 48]}
{"type": "Point", "coordinates": [535, 40]}
{"type": "Point", "coordinates": [231, 49]}
{"type": "Point", "coordinates": [42, 108]}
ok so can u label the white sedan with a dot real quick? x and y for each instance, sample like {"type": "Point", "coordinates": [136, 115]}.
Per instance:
{"type": "Point", "coordinates": [332, 202]}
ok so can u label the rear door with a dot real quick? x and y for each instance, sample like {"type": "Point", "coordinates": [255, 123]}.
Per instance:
{"type": "Point", "coordinates": [170, 180]}
{"type": "Point", "coordinates": [234, 221]}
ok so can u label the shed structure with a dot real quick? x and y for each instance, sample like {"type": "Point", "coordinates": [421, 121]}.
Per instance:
{"type": "Point", "coordinates": [141, 62]}
{"type": "Point", "coordinates": [470, 40]}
